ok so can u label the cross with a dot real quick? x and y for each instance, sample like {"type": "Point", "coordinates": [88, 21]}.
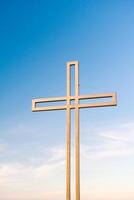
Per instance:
{"type": "Point", "coordinates": [68, 106]}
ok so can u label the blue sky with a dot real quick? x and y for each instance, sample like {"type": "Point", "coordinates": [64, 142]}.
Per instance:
{"type": "Point", "coordinates": [37, 39]}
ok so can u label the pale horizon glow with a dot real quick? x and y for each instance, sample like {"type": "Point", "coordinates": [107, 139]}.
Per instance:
{"type": "Point", "coordinates": [34, 181]}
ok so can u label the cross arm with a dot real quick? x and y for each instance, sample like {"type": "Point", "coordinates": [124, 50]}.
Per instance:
{"type": "Point", "coordinates": [113, 101]}
{"type": "Point", "coordinates": [36, 108]}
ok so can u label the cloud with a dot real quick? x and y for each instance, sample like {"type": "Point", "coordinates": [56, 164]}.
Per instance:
{"type": "Point", "coordinates": [28, 178]}
{"type": "Point", "coordinates": [18, 181]}
{"type": "Point", "coordinates": [122, 133]}
{"type": "Point", "coordinates": [36, 180]}
{"type": "Point", "coordinates": [57, 153]}
{"type": "Point", "coordinates": [114, 142]}
{"type": "Point", "coordinates": [55, 160]}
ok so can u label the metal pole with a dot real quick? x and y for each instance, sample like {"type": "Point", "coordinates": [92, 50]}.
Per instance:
{"type": "Point", "coordinates": [68, 145]}
{"type": "Point", "coordinates": [77, 132]}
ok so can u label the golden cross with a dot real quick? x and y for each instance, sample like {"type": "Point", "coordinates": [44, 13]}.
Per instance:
{"type": "Point", "coordinates": [68, 106]}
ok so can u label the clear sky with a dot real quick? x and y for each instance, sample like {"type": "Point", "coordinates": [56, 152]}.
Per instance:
{"type": "Point", "coordinates": [37, 38]}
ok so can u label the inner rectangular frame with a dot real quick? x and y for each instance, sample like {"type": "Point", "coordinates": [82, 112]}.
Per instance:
{"type": "Point", "coordinates": [113, 102]}
{"type": "Point", "coordinates": [72, 64]}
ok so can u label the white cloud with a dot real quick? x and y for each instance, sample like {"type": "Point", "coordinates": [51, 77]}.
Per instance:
{"type": "Point", "coordinates": [19, 181]}
{"type": "Point", "coordinates": [57, 153]}
{"type": "Point", "coordinates": [36, 181]}
{"type": "Point", "coordinates": [114, 142]}
{"type": "Point", "coordinates": [55, 160]}
{"type": "Point", "coordinates": [24, 181]}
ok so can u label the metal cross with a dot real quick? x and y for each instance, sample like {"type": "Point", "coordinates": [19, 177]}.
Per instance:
{"type": "Point", "coordinates": [68, 106]}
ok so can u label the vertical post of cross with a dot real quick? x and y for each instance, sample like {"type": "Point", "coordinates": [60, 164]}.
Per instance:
{"type": "Point", "coordinates": [74, 64]}
{"type": "Point", "coordinates": [68, 142]}
{"type": "Point", "coordinates": [77, 153]}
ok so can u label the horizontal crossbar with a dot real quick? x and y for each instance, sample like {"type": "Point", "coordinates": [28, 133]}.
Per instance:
{"type": "Point", "coordinates": [36, 108]}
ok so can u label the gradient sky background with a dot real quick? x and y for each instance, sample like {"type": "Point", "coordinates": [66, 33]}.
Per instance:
{"type": "Point", "coordinates": [37, 38]}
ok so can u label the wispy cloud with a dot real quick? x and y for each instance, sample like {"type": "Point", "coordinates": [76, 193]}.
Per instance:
{"type": "Point", "coordinates": [57, 153]}
{"type": "Point", "coordinates": [55, 160]}
{"type": "Point", "coordinates": [49, 173]}
{"type": "Point", "coordinates": [22, 181]}
{"type": "Point", "coordinates": [116, 141]}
